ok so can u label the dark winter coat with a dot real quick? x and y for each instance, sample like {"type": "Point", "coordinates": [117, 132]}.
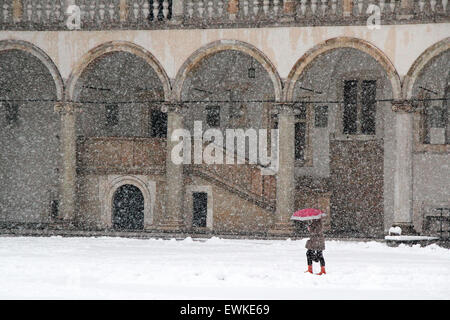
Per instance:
{"type": "Point", "coordinates": [316, 240]}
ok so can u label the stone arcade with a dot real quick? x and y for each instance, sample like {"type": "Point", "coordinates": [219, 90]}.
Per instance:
{"type": "Point", "coordinates": [86, 115]}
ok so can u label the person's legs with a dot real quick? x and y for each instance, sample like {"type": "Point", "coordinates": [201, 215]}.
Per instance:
{"type": "Point", "coordinates": [309, 256]}
{"type": "Point", "coordinates": [321, 259]}
{"type": "Point", "coordinates": [309, 259]}
{"type": "Point", "coordinates": [322, 262]}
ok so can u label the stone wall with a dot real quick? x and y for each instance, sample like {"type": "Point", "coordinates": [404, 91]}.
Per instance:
{"type": "Point", "coordinates": [231, 214]}
{"type": "Point", "coordinates": [357, 188]}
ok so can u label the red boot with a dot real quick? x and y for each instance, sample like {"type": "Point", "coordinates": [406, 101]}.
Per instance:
{"type": "Point", "coordinates": [322, 271]}
{"type": "Point", "coordinates": [309, 269]}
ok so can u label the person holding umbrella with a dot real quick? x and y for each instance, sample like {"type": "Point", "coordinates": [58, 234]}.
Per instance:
{"type": "Point", "coordinates": [316, 243]}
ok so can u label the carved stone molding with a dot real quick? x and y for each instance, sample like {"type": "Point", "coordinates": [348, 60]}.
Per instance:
{"type": "Point", "coordinates": [177, 107]}
{"type": "Point", "coordinates": [406, 106]}
{"type": "Point", "coordinates": [284, 107]}
{"type": "Point", "coordinates": [67, 107]}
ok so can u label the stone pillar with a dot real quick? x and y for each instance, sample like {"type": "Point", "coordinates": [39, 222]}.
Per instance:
{"type": "Point", "coordinates": [69, 159]}
{"type": "Point", "coordinates": [173, 219]}
{"type": "Point", "coordinates": [233, 8]}
{"type": "Point", "coordinates": [403, 183]}
{"type": "Point", "coordinates": [286, 172]}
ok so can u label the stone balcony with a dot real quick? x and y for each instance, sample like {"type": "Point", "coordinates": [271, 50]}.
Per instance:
{"type": "Point", "coordinates": [121, 155]}
{"type": "Point", "coordinates": [185, 14]}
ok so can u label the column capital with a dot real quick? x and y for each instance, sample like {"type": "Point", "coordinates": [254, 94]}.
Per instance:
{"type": "Point", "coordinates": [287, 108]}
{"type": "Point", "coordinates": [67, 107]}
{"type": "Point", "coordinates": [404, 106]}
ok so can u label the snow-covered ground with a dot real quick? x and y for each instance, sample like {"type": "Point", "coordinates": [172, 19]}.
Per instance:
{"type": "Point", "coordinates": [106, 268]}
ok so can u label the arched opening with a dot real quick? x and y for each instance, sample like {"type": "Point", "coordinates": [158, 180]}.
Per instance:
{"type": "Point", "coordinates": [29, 134]}
{"type": "Point", "coordinates": [236, 96]}
{"type": "Point", "coordinates": [128, 208]}
{"type": "Point", "coordinates": [120, 93]}
{"type": "Point", "coordinates": [344, 88]}
{"type": "Point", "coordinates": [228, 84]}
{"type": "Point", "coordinates": [427, 85]}
{"type": "Point", "coordinates": [121, 87]}
{"type": "Point", "coordinates": [431, 91]}
{"type": "Point", "coordinates": [353, 83]}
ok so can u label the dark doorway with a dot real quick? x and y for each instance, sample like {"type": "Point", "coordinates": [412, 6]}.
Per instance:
{"type": "Point", "coordinates": [158, 124]}
{"type": "Point", "coordinates": [200, 208]}
{"type": "Point", "coordinates": [128, 208]}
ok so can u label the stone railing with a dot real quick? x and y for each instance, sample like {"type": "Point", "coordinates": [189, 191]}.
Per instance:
{"type": "Point", "coordinates": [161, 14]}
{"type": "Point", "coordinates": [244, 176]}
{"type": "Point", "coordinates": [244, 180]}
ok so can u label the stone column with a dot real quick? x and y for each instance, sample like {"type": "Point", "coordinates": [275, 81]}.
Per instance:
{"type": "Point", "coordinates": [173, 219]}
{"type": "Point", "coordinates": [69, 159]}
{"type": "Point", "coordinates": [286, 172]}
{"type": "Point", "coordinates": [403, 182]}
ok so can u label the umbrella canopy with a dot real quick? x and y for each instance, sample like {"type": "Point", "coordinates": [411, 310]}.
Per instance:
{"type": "Point", "coordinates": [308, 214]}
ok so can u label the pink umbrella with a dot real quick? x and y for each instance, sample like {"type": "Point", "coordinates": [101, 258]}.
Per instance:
{"type": "Point", "coordinates": [307, 214]}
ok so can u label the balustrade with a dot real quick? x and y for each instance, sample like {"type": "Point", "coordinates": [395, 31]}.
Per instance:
{"type": "Point", "coordinates": [147, 14]}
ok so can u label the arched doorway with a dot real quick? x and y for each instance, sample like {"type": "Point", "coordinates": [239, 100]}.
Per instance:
{"type": "Point", "coordinates": [128, 208]}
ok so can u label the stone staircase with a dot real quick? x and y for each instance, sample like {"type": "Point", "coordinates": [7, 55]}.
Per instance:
{"type": "Point", "coordinates": [244, 180]}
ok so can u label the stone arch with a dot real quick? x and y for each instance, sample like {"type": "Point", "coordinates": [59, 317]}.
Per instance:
{"type": "Point", "coordinates": [116, 46]}
{"type": "Point", "coordinates": [420, 63]}
{"type": "Point", "coordinates": [147, 191]}
{"type": "Point", "coordinates": [336, 43]}
{"type": "Point", "coordinates": [223, 45]}
{"type": "Point", "coordinates": [42, 57]}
